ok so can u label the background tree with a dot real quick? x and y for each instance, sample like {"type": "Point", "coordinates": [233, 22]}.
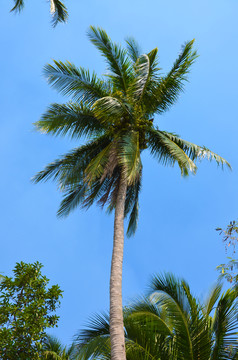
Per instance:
{"type": "Point", "coordinates": [116, 114]}
{"type": "Point", "coordinates": [170, 324]}
{"type": "Point", "coordinates": [229, 270]}
{"type": "Point", "coordinates": [57, 9]}
{"type": "Point", "coordinates": [27, 309]}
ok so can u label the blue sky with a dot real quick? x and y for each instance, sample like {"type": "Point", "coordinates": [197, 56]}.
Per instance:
{"type": "Point", "coordinates": [178, 216]}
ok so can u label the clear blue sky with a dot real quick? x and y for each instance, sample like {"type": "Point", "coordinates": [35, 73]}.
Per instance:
{"type": "Point", "coordinates": [178, 216]}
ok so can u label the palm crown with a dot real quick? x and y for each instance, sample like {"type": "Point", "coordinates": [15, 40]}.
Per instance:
{"type": "Point", "coordinates": [116, 114]}
{"type": "Point", "coordinates": [170, 324]}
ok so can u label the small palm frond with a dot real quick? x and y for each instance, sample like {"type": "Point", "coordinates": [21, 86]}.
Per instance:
{"type": "Point", "coordinates": [198, 326]}
{"type": "Point", "coordinates": [19, 5]}
{"type": "Point", "coordinates": [71, 119]}
{"type": "Point", "coordinates": [133, 49]}
{"type": "Point", "coordinates": [196, 152]}
{"type": "Point", "coordinates": [132, 205]}
{"type": "Point", "coordinates": [210, 303]}
{"type": "Point", "coordinates": [94, 341]}
{"type": "Point", "coordinates": [145, 76]}
{"type": "Point", "coordinates": [129, 156]}
{"type": "Point", "coordinates": [144, 341]}
{"type": "Point", "coordinates": [51, 355]}
{"type": "Point", "coordinates": [153, 56]}
{"type": "Point", "coordinates": [73, 196]}
{"type": "Point", "coordinates": [110, 110]}
{"type": "Point", "coordinates": [225, 326]}
{"type": "Point", "coordinates": [171, 286]}
{"type": "Point", "coordinates": [75, 82]}
{"type": "Point", "coordinates": [96, 167]}
{"type": "Point", "coordinates": [142, 70]}
{"type": "Point", "coordinates": [58, 11]}
{"type": "Point", "coordinates": [168, 293]}
{"type": "Point", "coordinates": [70, 168]}
{"type": "Point", "coordinates": [168, 152]}
{"type": "Point", "coordinates": [144, 312]}
{"type": "Point", "coordinates": [165, 93]}
{"type": "Point", "coordinates": [116, 57]}
{"type": "Point", "coordinates": [147, 333]}
{"type": "Point", "coordinates": [51, 343]}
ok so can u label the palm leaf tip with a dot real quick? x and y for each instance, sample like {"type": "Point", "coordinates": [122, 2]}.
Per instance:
{"type": "Point", "coordinates": [206, 153]}
{"type": "Point", "coordinates": [58, 11]}
{"type": "Point", "coordinates": [18, 7]}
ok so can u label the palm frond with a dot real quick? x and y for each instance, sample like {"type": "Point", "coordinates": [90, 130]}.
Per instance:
{"type": "Point", "coordinates": [94, 341]}
{"type": "Point", "coordinates": [198, 326]}
{"type": "Point", "coordinates": [58, 11]}
{"type": "Point", "coordinates": [142, 70]}
{"type": "Point", "coordinates": [168, 152]}
{"type": "Point", "coordinates": [132, 205]}
{"type": "Point", "coordinates": [75, 82]}
{"type": "Point", "coordinates": [110, 110]}
{"type": "Point", "coordinates": [57, 8]}
{"type": "Point", "coordinates": [166, 91]}
{"type": "Point", "coordinates": [70, 168]}
{"type": "Point", "coordinates": [225, 326]}
{"type": "Point", "coordinates": [168, 293]}
{"type": "Point", "coordinates": [51, 355]}
{"type": "Point", "coordinates": [144, 312]}
{"type": "Point", "coordinates": [71, 119]}
{"type": "Point", "coordinates": [96, 167]}
{"type": "Point", "coordinates": [133, 49]}
{"type": "Point", "coordinates": [129, 156]}
{"type": "Point", "coordinates": [196, 152]}
{"type": "Point", "coordinates": [73, 197]}
{"type": "Point", "coordinates": [116, 57]}
{"type": "Point", "coordinates": [212, 299]}
{"type": "Point", "coordinates": [19, 5]}
{"type": "Point", "coordinates": [145, 76]}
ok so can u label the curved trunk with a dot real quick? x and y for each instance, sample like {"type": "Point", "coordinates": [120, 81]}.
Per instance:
{"type": "Point", "coordinates": [116, 313]}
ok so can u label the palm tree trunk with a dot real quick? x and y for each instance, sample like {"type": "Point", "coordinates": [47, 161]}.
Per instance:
{"type": "Point", "coordinates": [116, 313]}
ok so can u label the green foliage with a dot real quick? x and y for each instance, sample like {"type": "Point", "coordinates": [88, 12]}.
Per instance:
{"type": "Point", "coordinates": [229, 270]}
{"type": "Point", "coordinates": [54, 350]}
{"type": "Point", "coordinates": [170, 324]}
{"type": "Point", "coordinates": [57, 8]}
{"type": "Point", "coordinates": [116, 116]}
{"type": "Point", "coordinates": [27, 309]}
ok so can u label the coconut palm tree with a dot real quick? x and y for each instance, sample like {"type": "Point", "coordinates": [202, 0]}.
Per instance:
{"type": "Point", "coordinates": [57, 8]}
{"type": "Point", "coordinates": [54, 350]}
{"type": "Point", "coordinates": [117, 116]}
{"type": "Point", "coordinates": [171, 324]}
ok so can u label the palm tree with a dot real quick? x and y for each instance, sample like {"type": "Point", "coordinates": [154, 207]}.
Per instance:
{"type": "Point", "coordinates": [54, 350]}
{"type": "Point", "coordinates": [57, 8]}
{"type": "Point", "coordinates": [116, 115]}
{"type": "Point", "coordinates": [171, 324]}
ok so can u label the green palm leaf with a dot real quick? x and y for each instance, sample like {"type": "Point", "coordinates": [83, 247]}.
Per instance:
{"type": "Point", "coordinates": [166, 91]}
{"type": "Point", "coordinates": [212, 299]}
{"type": "Point", "coordinates": [75, 120]}
{"type": "Point", "coordinates": [75, 82]}
{"type": "Point", "coordinates": [225, 327]}
{"type": "Point", "coordinates": [133, 49]}
{"type": "Point", "coordinates": [58, 11]}
{"type": "Point", "coordinates": [129, 156]}
{"type": "Point", "coordinates": [116, 57]}
{"type": "Point", "coordinates": [110, 110]}
{"type": "Point", "coordinates": [169, 152]}
{"type": "Point", "coordinates": [132, 205]}
{"type": "Point", "coordinates": [19, 5]}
